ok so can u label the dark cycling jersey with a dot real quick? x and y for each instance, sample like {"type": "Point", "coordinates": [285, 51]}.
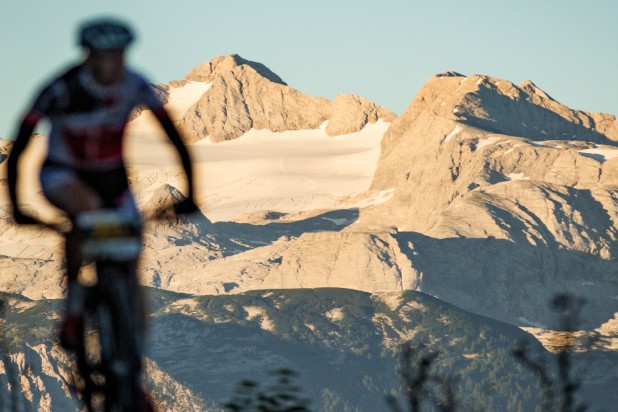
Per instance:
{"type": "Point", "coordinates": [88, 119]}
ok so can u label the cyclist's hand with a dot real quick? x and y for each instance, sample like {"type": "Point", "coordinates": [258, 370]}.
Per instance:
{"type": "Point", "coordinates": [22, 219]}
{"type": "Point", "coordinates": [186, 206]}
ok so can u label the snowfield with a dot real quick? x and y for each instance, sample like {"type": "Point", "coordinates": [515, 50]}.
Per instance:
{"type": "Point", "coordinates": [262, 170]}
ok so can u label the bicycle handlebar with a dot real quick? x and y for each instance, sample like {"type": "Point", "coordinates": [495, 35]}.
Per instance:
{"type": "Point", "coordinates": [66, 224]}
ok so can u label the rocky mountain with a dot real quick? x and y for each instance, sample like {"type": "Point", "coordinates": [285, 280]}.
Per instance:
{"type": "Point", "coordinates": [522, 218]}
{"type": "Point", "coordinates": [488, 195]}
{"type": "Point", "coordinates": [467, 132]}
{"type": "Point", "coordinates": [245, 95]}
{"type": "Point", "coordinates": [508, 186]}
{"type": "Point", "coordinates": [32, 360]}
{"type": "Point", "coordinates": [344, 343]}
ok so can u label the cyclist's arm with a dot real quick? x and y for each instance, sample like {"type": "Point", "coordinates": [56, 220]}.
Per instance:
{"type": "Point", "coordinates": [26, 129]}
{"type": "Point", "coordinates": [148, 97]}
{"type": "Point", "coordinates": [172, 133]}
{"type": "Point", "coordinates": [43, 105]}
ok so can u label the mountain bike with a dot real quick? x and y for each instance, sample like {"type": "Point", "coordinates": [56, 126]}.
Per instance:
{"type": "Point", "coordinates": [109, 355]}
{"type": "Point", "coordinates": [111, 341]}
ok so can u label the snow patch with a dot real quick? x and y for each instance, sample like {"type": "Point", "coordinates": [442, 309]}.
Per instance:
{"type": "Point", "coordinates": [517, 176]}
{"type": "Point", "coordinates": [258, 242]}
{"type": "Point", "coordinates": [487, 141]}
{"type": "Point", "coordinates": [181, 98]}
{"type": "Point", "coordinates": [456, 130]}
{"type": "Point", "coordinates": [287, 171]}
{"type": "Point", "coordinates": [534, 324]}
{"type": "Point", "coordinates": [373, 199]}
{"type": "Point", "coordinates": [540, 144]}
{"type": "Point", "coordinates": [338, 222]}
{"type": "Point", "coordinates": [512, 148]}
{"type": "Point", "coordinates": [600, 154]}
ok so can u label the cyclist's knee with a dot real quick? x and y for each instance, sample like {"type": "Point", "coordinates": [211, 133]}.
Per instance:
{"type": "Point", "coordinates": [74, 197]}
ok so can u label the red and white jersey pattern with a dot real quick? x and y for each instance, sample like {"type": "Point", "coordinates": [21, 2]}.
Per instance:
{"type": "Point", "coordinates": [88, 119]}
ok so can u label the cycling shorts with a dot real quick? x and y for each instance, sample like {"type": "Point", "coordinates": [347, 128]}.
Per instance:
{"type": "Point", "coordinates": [110, 184]}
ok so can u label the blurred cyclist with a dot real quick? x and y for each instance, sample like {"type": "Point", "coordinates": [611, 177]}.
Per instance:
{"type": "Point", "coordinates": [88, 107]}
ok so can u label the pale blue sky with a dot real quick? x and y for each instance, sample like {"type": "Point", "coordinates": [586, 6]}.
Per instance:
{"type": "Point", "coordinates": [382, 50]}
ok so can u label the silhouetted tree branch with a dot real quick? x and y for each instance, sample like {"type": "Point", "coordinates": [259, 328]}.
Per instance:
{"type": "Point", "coordinates": [419, 383]}
{"type": "Point", "coordinates": [558, 394]}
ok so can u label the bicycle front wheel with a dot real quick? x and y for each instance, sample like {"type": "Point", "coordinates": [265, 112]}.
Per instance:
{"type": "Point", "coordinates": [121, 346]}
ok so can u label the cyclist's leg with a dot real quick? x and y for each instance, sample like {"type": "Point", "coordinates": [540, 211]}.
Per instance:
{"type": "Point", "coordinates": [115, 192]}
{"type": "Point", "coordinates": [126, 202]}
{"type": "Point", "coordinates": [65, 190]}
{"type": "Point", "coordinates": [113, 189]}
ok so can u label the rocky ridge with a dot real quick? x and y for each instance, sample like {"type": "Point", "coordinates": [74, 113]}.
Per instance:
{"type": "Point", "coordinates": [502, 183]}
{"type": "Point", "coordinates": [514, 213]}
{"type": "Point", "coordinates": [246, 95]}
{"type": "Point", "coordinates": [461, 134]}
{"type": "Point", "coordinates": [493, 197]}
{"type": "Point", "coordinates": [343, 342]}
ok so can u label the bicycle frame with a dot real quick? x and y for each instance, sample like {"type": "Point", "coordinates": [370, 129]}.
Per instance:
{"type": "Point", "coordinates": [109, 356]}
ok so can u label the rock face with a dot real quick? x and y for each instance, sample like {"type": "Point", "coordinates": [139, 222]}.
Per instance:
{"type": "Point", "coordinates": [343, 343]}
{"type": "Point", "coordinates": [498, 197]}
{"type": "Point", "coordinates": [349, 113]}
{"type": "Point", "coordinates": [503, 182]}
{"type": "Point", "coordinates": [488, 195]}
{"type": "Point", "coordinates": [246, 95]}
{"type": "Point", "coordinates": [369, 261]}
{"type": "Point", "coordinates": [220, 66]}
{"type": "Point", "coordinates": [461, 133]}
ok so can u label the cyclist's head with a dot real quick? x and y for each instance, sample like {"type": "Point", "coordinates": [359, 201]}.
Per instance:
{"type": "Point", "coordinates": [106, 39]}
{"type": "Point", "coordinates": [105, 35]}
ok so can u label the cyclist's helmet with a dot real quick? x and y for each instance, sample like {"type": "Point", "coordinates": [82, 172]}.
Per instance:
{"type": "Point", "coordinates": [105, 35]}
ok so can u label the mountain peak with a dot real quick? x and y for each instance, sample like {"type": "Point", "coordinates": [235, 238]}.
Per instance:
{"type": "Point", "coordinates": [529, 87]}
{"type": "Point", "coordinates": [223, 64]}
{"type": "Point", "coordinates": [450, 74]}
{"type": "Point", "coordinates": [494, 105]}
{"type": "Point", "coordinates": [260, 99]}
